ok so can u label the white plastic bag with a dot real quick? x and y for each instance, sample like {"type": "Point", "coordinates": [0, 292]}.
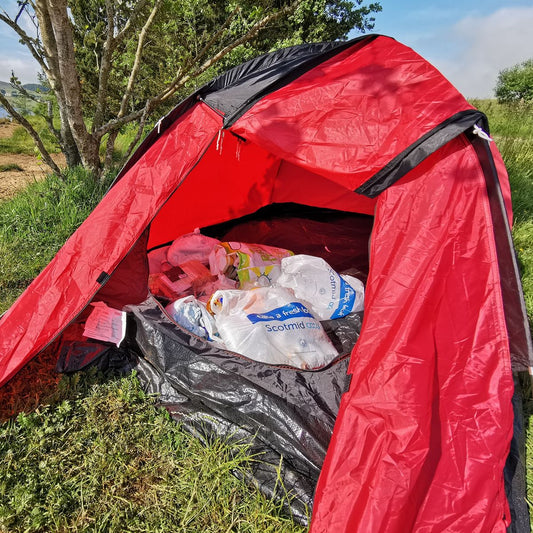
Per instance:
{"type": "Point", "coordinates": [192, 314]}
{"type": "Point", "coordinates": [268, 324]}
{"type": "Point", "coordinates": [327, 293]}
{"type": "Point", "coordinates": [254, 265]}
{"type": "Point", "coordinates": [191, 247]}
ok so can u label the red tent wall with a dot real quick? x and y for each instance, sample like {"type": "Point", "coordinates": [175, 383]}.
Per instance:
{"type": "Point", "coordinates": [235, 178]}
{"type": "Point", "coordinates": [423, 433]}
{"type": "Point", "coordinates": [350, 116]}
{"type": "Point", "coordinates": [70, 281]}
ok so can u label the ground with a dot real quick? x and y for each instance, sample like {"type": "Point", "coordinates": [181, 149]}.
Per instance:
{"type": "Point", "coordinates": [32, 168]}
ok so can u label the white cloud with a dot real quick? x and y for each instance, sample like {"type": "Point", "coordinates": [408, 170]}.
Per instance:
{"type": "Point", "coordinates": [25, 68]}
{"type": "Point", "coordinates": [486, 45]}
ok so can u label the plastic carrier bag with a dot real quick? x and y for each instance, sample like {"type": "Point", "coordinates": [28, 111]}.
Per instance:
{"type": "Point", "coordinates": [253, 265]}
{"type": "Point", "coordinates": [192, 314]}
{"type": "Point", "coordinates": [268, 324]}
{"type": "Point", "coordinates": [327, 293]}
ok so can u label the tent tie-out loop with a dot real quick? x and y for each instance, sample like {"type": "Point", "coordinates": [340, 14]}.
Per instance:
{"type": "Point", "coordinates": [480, 132]}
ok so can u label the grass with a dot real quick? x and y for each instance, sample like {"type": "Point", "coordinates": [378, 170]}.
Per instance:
{"type": "Point", "coordinates": [10, 167]}
{"type": "Point", "coordinates": [105, 458]}
{"type": "Point", "coordinates": [35, 224]}
{"type": "Point", "coordinates": [20, 141]}
{"type": "Point", "coordinates": [101, 456]}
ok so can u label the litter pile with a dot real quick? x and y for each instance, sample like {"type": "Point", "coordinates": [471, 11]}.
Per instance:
{"type": "Point", "coordinates": [262, 302]}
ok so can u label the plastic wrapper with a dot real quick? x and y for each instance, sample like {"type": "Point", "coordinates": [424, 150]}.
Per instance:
{"type": "Point", "coordinates": [194, 280]}
{"type": "Point", "coordinates": [192, 314]}
{"type": "Point", "coordinates": [191, 247]}
{"type": "Point", "coordinates": [253, 265]}
{"type": "Point", "coordinates": [268, 324]}
{"type": "Point", "coordinates": [157, 260]}
{"type": "Point", "coordinates": [328, 294]}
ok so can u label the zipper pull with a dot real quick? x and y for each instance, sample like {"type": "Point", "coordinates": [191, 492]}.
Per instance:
{"type": "Point", "coordinates": [481, 133]}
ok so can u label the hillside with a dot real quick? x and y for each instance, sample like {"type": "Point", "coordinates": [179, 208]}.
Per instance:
{"type": "Point", "coordinates": [30, 87]}
{"type": "Point", "coordinates": [17, 100]}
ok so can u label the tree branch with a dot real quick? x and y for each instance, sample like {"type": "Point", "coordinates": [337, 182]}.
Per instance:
{"type": "Point", "coordinates": [139, 133]}
{"type": "Point", "coordinates": [137, 61]}
{"type": "Point", "coordinates": [117, 123]}
{"type": "Point", "coordinates": [57, 12]}
{"type": "Point", "coordinates": [136, 10]}
{"type": "Point", "coordinates": [177, 83]}
{"type": "Point", "coordinates": [105, 67]}
{"type": "Point", "coordinates": [35, 136]}
{"type": "Point", "coordinates": [217, 35]}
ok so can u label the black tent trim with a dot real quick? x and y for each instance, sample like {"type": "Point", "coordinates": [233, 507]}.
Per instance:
{"type": "Point", "coordinates": [520, 344]}
{"type": "Point", "coordinates": [287, 76]}
{"type": "Point", "coordinates": [418, 151]}
{"type": "Point", "coordinates": [235, 91]}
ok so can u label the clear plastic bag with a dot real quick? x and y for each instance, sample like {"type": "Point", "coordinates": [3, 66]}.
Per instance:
{"type": "Point", "coordinates": [327, 293]}
{"type": "Point", "coordinates": [191, 247]}
{"type": "Point", "coordinates": [268, 324]}
{"type": "Point", "coordinates": [253, 265]}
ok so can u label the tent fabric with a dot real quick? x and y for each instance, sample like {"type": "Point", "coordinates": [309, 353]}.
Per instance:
{"type": "Point", "coordinates": [423, 432]}
{"type": "Point", "coordinates": [427, 384]}
{"type": "Point", "coordinates": [70, 281]}
{"type": "Point", "coordinates": [343, 102]}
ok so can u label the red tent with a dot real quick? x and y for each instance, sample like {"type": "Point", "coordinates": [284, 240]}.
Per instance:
{"type": "Point", "coordinates": [365, 127]}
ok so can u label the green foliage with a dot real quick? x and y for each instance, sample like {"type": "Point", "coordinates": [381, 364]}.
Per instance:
{"type": "Point", "coordinates": [36, 223]}
{"type": "Point", "coordinates": [515, 84]}
{"type": "Point", "coordinates": [10, 167]}
{"type": "Point", "coordinates": [105, 458]}
{"type": "Point", "coordinates": [180, 39]}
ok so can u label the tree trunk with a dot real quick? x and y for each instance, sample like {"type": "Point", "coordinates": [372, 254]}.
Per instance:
{"type": "Point", "coordinates": [58, 43]}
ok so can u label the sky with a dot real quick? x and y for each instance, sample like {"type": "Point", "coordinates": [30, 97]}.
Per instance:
{"type": "Point", "coordinates": [469, 41]}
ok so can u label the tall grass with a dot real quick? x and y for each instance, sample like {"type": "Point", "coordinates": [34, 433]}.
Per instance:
{"type": "Point", "coordinates": [21, 142]}
{"type": "Point", "coordinates": [35, 224]}
{"type": "Point", "coordinates": [106, 459]}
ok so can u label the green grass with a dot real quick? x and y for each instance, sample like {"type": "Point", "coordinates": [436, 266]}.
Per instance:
{"type": "Point", "coordinates": [105, 458]}
{"type": "Point", "coordinates": [35, 224]}
{"type": "Point", "coordinates": [22, 143]}
{"type": "Point", "coordinates": [10, 167]}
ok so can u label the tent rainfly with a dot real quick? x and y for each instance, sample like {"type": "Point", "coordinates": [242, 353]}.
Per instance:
{"type": "Point", "coordinates": [362, 153]}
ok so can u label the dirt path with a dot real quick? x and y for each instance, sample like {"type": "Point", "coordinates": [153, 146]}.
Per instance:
{"type": "Point", "coordinates": [33, 169]}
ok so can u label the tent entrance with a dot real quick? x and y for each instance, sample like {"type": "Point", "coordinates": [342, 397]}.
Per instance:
{"type": "Point", "coordinates": [287, 412]}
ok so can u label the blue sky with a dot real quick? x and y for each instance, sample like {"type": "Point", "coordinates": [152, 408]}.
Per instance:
{"type": "Point", "coordinates": [468, 41]}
